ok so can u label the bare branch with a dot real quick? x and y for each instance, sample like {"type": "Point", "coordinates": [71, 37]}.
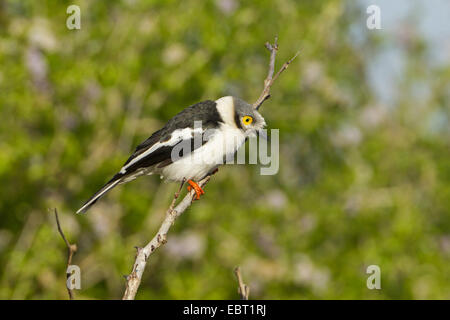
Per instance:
{"type": "Point", "coordinates": [142, 255]}
{"type": "Point", "coordinates": [72, 249]}
{"type": "Point", "coordinates": [243, 289]}
{"type": "Point", "coordinates": [265, 94]}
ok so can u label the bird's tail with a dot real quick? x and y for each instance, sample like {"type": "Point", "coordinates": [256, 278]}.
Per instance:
{"type": "Point", "coordinates": [108, 186]}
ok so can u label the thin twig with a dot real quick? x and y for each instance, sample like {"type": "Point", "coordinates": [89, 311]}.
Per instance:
{"type": "Point", "coordinates": [142, 255]}
{"type": "Point", "coordinates": [72, 248]}
{"type": "Point", "coordinates": [265, 94]}
{"type": "Point", "coordinates": [243, 289]}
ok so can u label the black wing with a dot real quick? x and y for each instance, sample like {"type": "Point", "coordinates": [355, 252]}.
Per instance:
{"type": "Point", "coordinates": [204, 111]}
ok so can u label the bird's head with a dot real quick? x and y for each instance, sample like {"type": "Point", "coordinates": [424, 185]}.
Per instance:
{"type": "Point", "coordinates": [247, 118]}
{"type": "Point", "coordinates": [238, 113]}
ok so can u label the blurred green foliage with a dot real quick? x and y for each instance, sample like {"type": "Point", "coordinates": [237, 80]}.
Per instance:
{"type": "Point", "coordinates": [360, 182]}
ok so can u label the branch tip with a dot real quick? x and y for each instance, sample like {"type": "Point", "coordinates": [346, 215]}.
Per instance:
{"type": "Point", "coordinates": [243, 289]}
{"type": "Point", "coordinates": [265, 94]}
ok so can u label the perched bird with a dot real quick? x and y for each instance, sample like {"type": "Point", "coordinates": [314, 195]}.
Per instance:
{"type": "Point", "coordinates": [191, 145]}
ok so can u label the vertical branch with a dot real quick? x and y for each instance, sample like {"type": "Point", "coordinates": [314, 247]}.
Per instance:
{"type": "Point", "coordinates": [243, 289]}
{"type": "Point", "coordinates": [72, 248]}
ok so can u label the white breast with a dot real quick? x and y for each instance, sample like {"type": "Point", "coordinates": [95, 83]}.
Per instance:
{"type": "Point", "coordinates": [224, 143]}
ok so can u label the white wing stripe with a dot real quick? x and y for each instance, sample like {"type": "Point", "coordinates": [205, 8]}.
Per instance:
{"type": "Point", "coordinates": [177, 136]}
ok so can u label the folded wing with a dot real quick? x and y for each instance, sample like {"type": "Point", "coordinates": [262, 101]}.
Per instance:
{"type": "Point", "coordinates": [156, 151]}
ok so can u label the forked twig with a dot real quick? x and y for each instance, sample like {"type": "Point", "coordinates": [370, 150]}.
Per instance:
{"type": "Point", "coordinates": [265, 94]}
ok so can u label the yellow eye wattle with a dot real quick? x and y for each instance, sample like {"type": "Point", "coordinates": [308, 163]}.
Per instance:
{"type": "Point", "coordinates": [247, 120]}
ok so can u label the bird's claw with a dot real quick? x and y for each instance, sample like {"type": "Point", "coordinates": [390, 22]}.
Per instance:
{"type": "Point", "coordinates": [198, 190]}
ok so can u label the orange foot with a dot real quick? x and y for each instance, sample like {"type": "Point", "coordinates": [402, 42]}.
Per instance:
{"type": "Point", "coordinates": [198, 190]}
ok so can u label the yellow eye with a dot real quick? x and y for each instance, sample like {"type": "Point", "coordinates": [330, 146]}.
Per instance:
{"type": "Point", "coordinates": [247, 120]}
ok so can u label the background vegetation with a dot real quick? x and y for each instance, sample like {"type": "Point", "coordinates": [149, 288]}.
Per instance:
{"type": "Point", "coordinates": [363, 179]}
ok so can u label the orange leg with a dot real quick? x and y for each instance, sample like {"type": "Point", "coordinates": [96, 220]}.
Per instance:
{"type": "Point", "coordinates": [198, 190]}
